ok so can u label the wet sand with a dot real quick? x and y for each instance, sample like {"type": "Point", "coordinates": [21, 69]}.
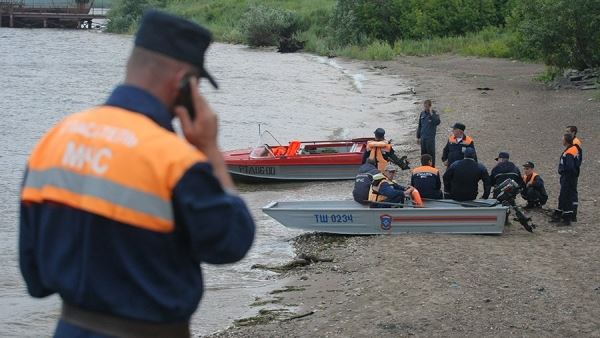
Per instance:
{"type": "Point", "coordinates": [541, 284]}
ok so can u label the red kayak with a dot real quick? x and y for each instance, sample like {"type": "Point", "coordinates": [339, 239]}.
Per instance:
{"type": "Point", "coordinates": [310, 160]}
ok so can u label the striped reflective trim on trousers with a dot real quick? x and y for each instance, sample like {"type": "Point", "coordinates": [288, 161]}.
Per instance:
{"type": "Point", "coordinates": [100, 188]}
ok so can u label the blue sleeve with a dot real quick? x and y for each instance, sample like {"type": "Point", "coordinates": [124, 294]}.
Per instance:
{"type": "Point", "coordinates": [419, 126]}
{"type": "Point", "coordinates": [435, 118]}
{"type": "Point", "coordinates": [388, 190]}
{"type": "Point", "coordinates": [448, 175]}
{"type": "Point", "coordinates": [568, 164]}
{"type": "Point", "coordinates": [219, 225]}
{"type": "Point", "coordinates": [445, 151]}
{"type": "Point", "coordinates": [27, 254]}
{"type": "Point", "coordinates": [485, 177]}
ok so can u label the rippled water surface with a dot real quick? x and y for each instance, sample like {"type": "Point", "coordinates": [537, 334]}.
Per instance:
{"type": "Point", "coordinates": [46, 74]}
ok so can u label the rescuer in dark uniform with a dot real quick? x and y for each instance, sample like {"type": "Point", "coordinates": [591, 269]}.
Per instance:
{"type": "Point", "coordinates": [461, 180]}
{"type": "Point", "coordinates": [426, 179]}
{"type": "Point", "coordinates": [429, 119]}
{"type": "Point", "coordinates": [576, 142]}
{"type": "Point", "coordinates": [457, 143]}
{"type": "Point", "coordinates": [362, 183]}
{"type": "Point", "coordinates": [505, 170]}
{"type": "Point", "coordinates": [535, 192]}
{"type": "Point", "coordinates": [568, 169]}
{"type": "Point", "coordinates": [118, 212]}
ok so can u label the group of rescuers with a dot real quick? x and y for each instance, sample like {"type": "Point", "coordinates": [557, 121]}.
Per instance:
{"type": "Point", "coordinates": [375, 184]}
{"type": "Point", "coordinates": [117, 212]}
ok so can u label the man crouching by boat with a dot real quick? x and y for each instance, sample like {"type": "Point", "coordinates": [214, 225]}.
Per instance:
{"type": "Point", "coordinates": [362, 183]}
{"type": "Point", "coordinates": [384, 189]}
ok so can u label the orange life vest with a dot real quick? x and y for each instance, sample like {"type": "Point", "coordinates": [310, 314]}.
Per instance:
{"type": "Point", "coordinates": [377, 148]}
{"type": "Point", "coordinates": [374, 195]}
{"type": "Point", "coordinates": [466, 140]}
{"type": "Point", "coordinates": [293, 148]}
{"type": "Point", "coordinates": [530, 180]}
{"type": "Point", "coordinates": [113, 163]}
{"type": "Point", "coordinates": [415, 196]}
{"type": "Point", "coordinates": [279, 151]}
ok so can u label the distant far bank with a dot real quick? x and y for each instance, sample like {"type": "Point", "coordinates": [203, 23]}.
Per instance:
{"type": "Point", "coordinates": [531, 30]}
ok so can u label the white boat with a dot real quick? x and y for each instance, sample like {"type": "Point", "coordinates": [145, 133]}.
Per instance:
{"type": "Point", "coordinates": [349, 217]}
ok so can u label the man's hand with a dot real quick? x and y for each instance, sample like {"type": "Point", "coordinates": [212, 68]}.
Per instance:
{"type": "Point", "coordinates": [202, 131]}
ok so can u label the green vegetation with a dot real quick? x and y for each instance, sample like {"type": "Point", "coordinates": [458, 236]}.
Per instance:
{"type": "Point", "coordinates": [562, 33]}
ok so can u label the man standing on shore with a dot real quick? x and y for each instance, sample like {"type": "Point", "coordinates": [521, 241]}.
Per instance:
{"type": "Point", "coordinates": [118, 212]}
{"type": "Point", "coordinates": [576, 142]}
{"type": "Point", "coordinates": [427, 129]}
{"type": "Point", "coordinates": [568, 169]}
{"type": "Point", "coordinates": [457, 145]}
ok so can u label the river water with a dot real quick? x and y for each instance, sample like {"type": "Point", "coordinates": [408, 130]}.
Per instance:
{"type": "Point", "coordinates": [47, 74]}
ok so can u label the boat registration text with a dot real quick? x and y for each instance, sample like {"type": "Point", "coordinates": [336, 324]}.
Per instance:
{"type": "Point", "coordinates": [251, 170]}
{"type": "Point", "coordinates": [333, 218]}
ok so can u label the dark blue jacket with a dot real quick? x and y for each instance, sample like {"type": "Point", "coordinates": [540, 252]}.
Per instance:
{"type": "Point", "coordinates": [503, 171]}
{"type": "Point", "coordinates": [428, 123]}
{"type": "Point", "coordinates": [570, 162]}
{"type": "Point", "coordinates": [454, 151]}
{"type": "Point", "coordinates": [106, 266]}
{"type": "Point", "coordinates": [362, 183]}
{"type": "Point", "coordinates": [461, 180]}
{"type": "Point", "coordinates": [426, 180]}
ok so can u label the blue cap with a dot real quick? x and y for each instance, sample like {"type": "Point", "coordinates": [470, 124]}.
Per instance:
{"type": "Point", "coordinates": [176, 38]}
{"type": "Point", "coordinates": [469, 152]}
{"type": "Point", "coordinates": [379, 132]}
{"type": "Point", "coordinates": [503, 154]}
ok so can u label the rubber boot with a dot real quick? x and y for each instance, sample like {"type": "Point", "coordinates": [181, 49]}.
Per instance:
{"type": "Point", "coordinates": [556, 217]}
{"type": "Point", "coordinates": [566, 219]}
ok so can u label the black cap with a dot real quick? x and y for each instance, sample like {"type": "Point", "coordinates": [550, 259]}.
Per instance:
{"type": "Point", "coordinates": [529, 164]}
{"type": "Point", "coordinates": [176, 38]}
{"type": "Point", "coordinates": [503, 154]}
{"type": "Point", "coordinates": [379, 132]}
{"type": "Point", "coordinates": [460, 126]}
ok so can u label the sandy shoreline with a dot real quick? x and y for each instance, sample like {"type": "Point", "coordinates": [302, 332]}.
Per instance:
{"type": "Point", "coordinates": [541, 284]}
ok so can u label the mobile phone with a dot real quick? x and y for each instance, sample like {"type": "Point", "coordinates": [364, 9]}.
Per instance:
{"type": "Point", "coordinates": [184, 96]}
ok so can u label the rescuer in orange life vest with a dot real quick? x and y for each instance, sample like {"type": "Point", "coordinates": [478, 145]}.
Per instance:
{"type": "Point", "coordinates": [535, 191]}
{"type": "Point", "coordinates": [577, 143]}
{"type": "Point", "coordinates": [118, 212]}
{"type": "Point", "coordinates": [457, 143]}
{"type": "Point", "coordinates": [568, 169]}
{"type": "Point", "coordinates": [381, 152]}
{"type": "Point", "coordinates": [385, 189]}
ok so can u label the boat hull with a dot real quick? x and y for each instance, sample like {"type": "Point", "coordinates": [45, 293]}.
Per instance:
{"type": "Point", "coordinates": [349, 217]}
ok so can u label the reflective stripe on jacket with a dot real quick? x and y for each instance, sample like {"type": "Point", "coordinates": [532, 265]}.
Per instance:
{"type": "Point", "coordinates": [104, 161]}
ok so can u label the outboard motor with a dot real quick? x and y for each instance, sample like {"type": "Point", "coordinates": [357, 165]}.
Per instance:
{"type": "Point", "coordinates": [507, 193]}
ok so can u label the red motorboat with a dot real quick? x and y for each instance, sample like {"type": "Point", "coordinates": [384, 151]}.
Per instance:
{"type": "Point", "coordinates": [298, 160]}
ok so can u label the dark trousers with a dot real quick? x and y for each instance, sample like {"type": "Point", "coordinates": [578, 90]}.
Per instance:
{"type": "Point", "coordinates": [531, 195]}
{"type": "Point", "coordinates": [576, 201]}
{"type": "Point", "coordinates": [568, 194]}
{"type": "Point", "coordinates": [428, 147]}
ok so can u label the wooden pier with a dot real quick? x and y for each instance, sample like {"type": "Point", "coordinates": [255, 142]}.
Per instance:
{"type": "Point", "coordinates": [77, 14]}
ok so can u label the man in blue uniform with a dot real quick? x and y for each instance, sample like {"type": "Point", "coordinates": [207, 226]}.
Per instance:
{"type": "Point", "coordinates": [363, 180]}
{"type": "Point", "coordinates": [568, 169]}
{"type": "Point", "coordinates": [535, 192]}
{"type": "Point", "coordinates": [426, 179]}
{"type": "Point", "coordinates": [457, 143]}
{"type": "Point", "coordinates": [461, 180]}
{"type": "Point", "coordinates": [118, 212]}
{"type": "Point", "coordinates": [576, 142]}
{"type": "Point", "coordinates": [429, 119]}
{"type": "Point", "coordinates": [505, 170]}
